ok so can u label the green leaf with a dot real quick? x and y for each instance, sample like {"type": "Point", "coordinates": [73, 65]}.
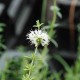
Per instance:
{"type": "Point", "coordinates": [54, 42]}
{"type": "Point", "coordinates": [48, 27]}
{"type": "Point", "coordinates": [59, 14]}
{"type": "Point", "coordinates": [3, 46]}
{"type": "Point", "coordinates": [1, 29]}
{"type": "Point", "coordinates": [38, 24]}
{"type": "Point", "coordinates": [53, 8]}
{"type": "Point", "coordinates": [2, 25]}
{"type": "Point", "coordinates": [63, 62]}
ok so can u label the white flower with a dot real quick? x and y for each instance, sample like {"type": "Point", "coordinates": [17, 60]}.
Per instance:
{"type": "Point", "coordinates": [38, 37]}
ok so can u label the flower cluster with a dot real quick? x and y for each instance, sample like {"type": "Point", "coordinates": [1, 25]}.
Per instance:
{"type": "Point", "coordinates": [38, 37]}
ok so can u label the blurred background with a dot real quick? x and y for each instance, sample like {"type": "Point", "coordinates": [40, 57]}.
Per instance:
{"type": "Point", "coordinates": [19, 16]}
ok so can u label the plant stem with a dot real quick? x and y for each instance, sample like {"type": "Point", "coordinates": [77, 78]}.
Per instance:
{"type": "Point", "coordinates": [32, 63]}
{"type": "Point", "coordinates": [45, 50]}
{"type": "Point", "coordinates": [53, 20]}
{"type": "Point", "coordinates": [43, 11]}
{"type": "Point", "coordinates": [36, 50]}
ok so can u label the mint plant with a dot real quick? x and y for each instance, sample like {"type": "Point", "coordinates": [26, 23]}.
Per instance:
{"type": "Point", "coordinates": [37, 60]}
{"type": "Point", "coordinates": [36, 67]}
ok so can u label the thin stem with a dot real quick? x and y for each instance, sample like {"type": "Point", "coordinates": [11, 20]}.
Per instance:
{"type": "Point", "coordinates": [38, 28]}
{"type": "Point", "coordinates": [43, 10]}
{"type": "Point", "coordinates": [32, 64]}
{"type": "Point", "coordinates": [53, 21]}
{"type": "Point", "coordinates": [36, 50]}
{"type": "Point", "coordinates": [45, 50]}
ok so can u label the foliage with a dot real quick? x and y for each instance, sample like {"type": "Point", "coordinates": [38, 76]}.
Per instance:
{"type": "Point", "coordinates": [2, 46]}
{"type": "Point", "coordinates": [35, 66]}
{"type": "Point", "coordinates": [72, 73]}
{"type": "Point", "coordinates": [12, 69]}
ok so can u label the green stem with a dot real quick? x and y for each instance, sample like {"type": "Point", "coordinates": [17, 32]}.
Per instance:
{"type": "Point", "coordinates": [38, 28]}
{"type": "Point", "coordinates": [43, 11]}
{"type": "Point", "coordinates": [32, 63]}
{"type": "Point", "coordinates": [53, 21]}
{"type": "Point", "coordinates": [36, 50]}
{"type": "Point", "coordinates": [45, 50]}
